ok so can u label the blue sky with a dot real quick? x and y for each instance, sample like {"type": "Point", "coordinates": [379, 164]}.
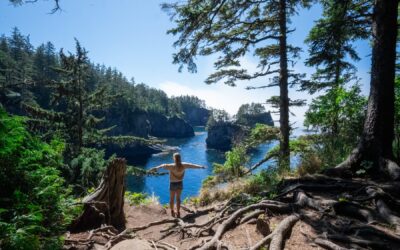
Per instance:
{"type": "Point", "coordinates": [130, 35]}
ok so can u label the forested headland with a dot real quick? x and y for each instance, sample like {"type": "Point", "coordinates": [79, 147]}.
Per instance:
{"type": "Point", "coordinates": [67, 123]}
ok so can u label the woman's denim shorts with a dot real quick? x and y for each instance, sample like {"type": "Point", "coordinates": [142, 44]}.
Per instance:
{"type": "Point", "coordinates": [174, 186]}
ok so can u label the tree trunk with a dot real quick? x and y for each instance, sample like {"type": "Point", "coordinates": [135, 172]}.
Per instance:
{"type": "Point", "coordinates": [105, 206]}
{"type": "Point", "coordinates": [284, 152]}
{"type": "Point", "coordinates": [375, 146]}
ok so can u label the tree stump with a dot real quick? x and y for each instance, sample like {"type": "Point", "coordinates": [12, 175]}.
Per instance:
{"type": "Point", "coordinates": [105, 206]}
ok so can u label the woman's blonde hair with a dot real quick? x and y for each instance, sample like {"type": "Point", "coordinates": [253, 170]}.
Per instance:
{"type": "Point", "coordinates": [177, 160]}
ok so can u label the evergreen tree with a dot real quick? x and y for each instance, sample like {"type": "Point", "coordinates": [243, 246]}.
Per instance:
{"type": "Point", "coordinates": [45, 61]}
{"type": "Point", "coordinates": [349, 117]}
{"type": "Point", "coordinates": [339, 112]}
{"type": "Point", "coordinates": [16, 71]}
{"type": "Point", "coordinates": [330, 42]}
{"type": "Point", "coordinates": [35, 204]}
{"type": "Point", "coordinates": [250, 114]}
{"type": "Point", "coordinates": [78, 104]}
{"type": "Point", "coordinates": [375, 148]}
{"type": "Point", "coordinates": [234, 29]}
{"type": "Point", "coordinates": [218, 117]}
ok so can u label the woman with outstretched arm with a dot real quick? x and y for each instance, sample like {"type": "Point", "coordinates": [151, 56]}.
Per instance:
{"type": "Point", "coordinates": [176, 174]}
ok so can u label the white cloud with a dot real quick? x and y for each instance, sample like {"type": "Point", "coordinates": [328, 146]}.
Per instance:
{"type": "Point", "coordinates": [229, 98]}
{"type": "Point", "coordinates": [216, 96]}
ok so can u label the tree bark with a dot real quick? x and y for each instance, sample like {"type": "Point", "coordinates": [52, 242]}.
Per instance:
{"type": "Point", "coordinates": [375, 145]}
{"type": "Point", "coordinates": [284, 152]}
{"type": "Point", "coordinates": [105, 206]}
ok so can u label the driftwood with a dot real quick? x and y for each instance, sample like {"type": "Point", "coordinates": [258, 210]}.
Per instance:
{"type": "Point", "coordinates": [105, 205]}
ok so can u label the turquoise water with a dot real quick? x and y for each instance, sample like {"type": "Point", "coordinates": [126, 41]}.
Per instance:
{"type": "Point", "coordinates": [192, 150]}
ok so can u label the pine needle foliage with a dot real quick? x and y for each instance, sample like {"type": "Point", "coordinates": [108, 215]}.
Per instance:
{"type": "Point", "coordinates": [35, 205]}
{"type": "Point", "coordinates": [233, 29]}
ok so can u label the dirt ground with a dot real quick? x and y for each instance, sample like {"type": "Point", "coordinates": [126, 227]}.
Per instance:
{"type": "Point", "coordinates": [332, 212]}
{"type": "Point", "coordinates": [240, 237]}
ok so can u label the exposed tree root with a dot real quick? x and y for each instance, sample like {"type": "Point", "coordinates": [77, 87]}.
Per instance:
{"type": "Point", "coordinates": [228, 223]}
{"type": "Point", "coordinates": [344, 214]}
{"type": "Point", "coordinates": [328, 244]}
{"type": "Point", "coordinates": [276, 238]}
{"type": "Point", "coordinates": [251, 216]}
{"type": "Point", "coordinates": [382, 167]}
{"type": "Point", "coordinates": [164, 244]}
{"type": "Point", "coordinates": [360, 242]}
{"type": "Point", "coordinates": [355, 211]}
{"type": "Point", "coordinates": [388, 215]}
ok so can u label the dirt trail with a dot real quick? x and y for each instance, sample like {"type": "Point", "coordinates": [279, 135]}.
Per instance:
{"type": "Point", "coordinates": [241, 237]}
{"type": "Point", "coordinates": [314, 212]}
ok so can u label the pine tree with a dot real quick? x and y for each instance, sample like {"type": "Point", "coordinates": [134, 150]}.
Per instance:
{"type": "Point", "coordinates": [15, 71]}
{"type": "Point", "coordinates": [330, 46]}
{"type": "Point", "coordinates": [78, 105]}
{"type": "Point", "coordinates": [235, 28]}
{"type": "Point", "coordinates": [375, 147]}
{"type": "Point", "coordinates": [44, 62]}
{"type": "Point", "coordinates": [337, 113]}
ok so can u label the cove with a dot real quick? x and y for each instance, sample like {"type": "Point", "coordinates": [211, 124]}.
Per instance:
{"type": "Point", "coordinates": [193, 150]}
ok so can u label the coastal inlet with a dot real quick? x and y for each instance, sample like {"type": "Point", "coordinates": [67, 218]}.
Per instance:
{"type": "Point", "coordinates": [193, 150]}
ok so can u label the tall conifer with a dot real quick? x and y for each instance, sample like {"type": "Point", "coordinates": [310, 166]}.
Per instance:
{"type": "Point", "coordinates": [236, 28]}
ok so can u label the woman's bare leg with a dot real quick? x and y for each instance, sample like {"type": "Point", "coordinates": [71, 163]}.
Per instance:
{"type": "Point", "coordinates": [171, 201]}
{"type": "Point", "coordinates": [178, 201]}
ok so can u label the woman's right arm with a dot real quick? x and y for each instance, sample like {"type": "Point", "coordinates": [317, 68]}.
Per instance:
{"type": "Point", "coordinates": [165, 166]}
{"type": "Point", "coordinates": [156, 168]}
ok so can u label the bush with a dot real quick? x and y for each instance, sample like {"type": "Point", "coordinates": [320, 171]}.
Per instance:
{"type": "Point", "coordinates": [233, 166]}
{"type": "Point", "coordinates": [309, 164]}
{"type": "Point", "coordinates": [209, 181]}
{"type": "Point", "coordinates": [86, 170]}
{"type": "Point", "coordinates": [136, 199]}
{"type": "Point", "coordinates": [264, 181]}
{"type": "Point", "coordinates": [35, 206]}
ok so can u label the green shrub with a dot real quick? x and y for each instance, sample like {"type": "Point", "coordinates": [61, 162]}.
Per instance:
{"type": "Point", "coordinates": [85, 171]}
{"type": "Point", "coordinates": [264, 181]}
{"type": "Point", "coordinates": [209, 181]}
{"type": "Point", "coordinates": [35, 205]}
{"type": "Point", "coordinates": [310, 163]}
{"type": "Point", "coordinates": [233, 167]}
{"type": "Point", "coordinates": [136, 199]}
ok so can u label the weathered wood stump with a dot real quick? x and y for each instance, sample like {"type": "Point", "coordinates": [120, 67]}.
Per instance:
{"type": "Point", "coordinates": [105, 206]}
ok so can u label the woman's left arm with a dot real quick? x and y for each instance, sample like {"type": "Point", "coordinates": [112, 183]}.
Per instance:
{"type": "Point", "coordinates": [190, 165]}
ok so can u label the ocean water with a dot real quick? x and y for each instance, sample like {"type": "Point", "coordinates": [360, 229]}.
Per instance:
{"type": "Point", "coordinates": [192, 150]}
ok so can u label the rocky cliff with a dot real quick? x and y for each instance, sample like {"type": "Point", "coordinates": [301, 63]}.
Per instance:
{"type": "Point", "coordinates": [197, 116]}
{"type": "Point", "coordinates": [162, 126]}
{"type": "Point", "coordinates": [222, 136]}
{"type": "Point", "coordinates": [251, 120]}
{"type": "Point", "coordinates": [145, 124]}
